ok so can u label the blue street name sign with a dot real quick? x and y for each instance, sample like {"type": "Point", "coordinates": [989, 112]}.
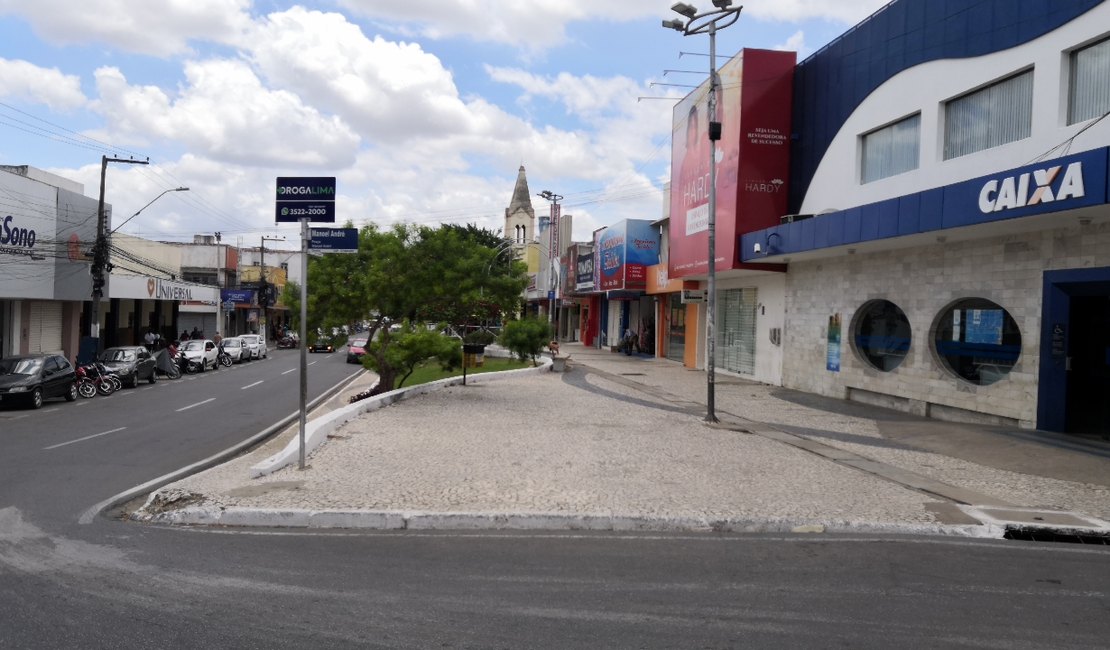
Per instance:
{"type": "Point", "coordinates": [335, 240]}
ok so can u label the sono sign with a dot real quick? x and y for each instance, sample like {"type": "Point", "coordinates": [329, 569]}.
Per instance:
{"type": "Point", "coordinates": [14, 239]}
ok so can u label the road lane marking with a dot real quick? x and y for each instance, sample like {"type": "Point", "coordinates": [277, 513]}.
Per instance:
{"type": "Point", "coordinates": [210, 399]}
{"type": "Point", "coordinates": [252, 385]}
{"type": "Point", "coordinates": [289, 371]}
{"type": "Point", "coordinates": [95, 435]}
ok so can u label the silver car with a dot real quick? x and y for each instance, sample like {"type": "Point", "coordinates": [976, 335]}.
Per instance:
{"type": "Point", "coordinates": [256, 344]}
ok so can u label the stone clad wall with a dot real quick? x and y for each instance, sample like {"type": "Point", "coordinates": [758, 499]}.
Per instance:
{"type": "Point", "coordinates": [923, 281]}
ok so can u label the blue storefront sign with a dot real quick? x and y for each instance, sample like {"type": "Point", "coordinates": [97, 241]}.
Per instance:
{"type": "Point", "coordinates": [241, 296]}
{"type": "Point", "coordinates": [1067, 183]}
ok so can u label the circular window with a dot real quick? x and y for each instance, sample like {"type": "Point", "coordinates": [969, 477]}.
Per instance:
{"type": "Point", "coordinates": [977, 340]}
{"type": "Point", "coordinates": [881, 333]}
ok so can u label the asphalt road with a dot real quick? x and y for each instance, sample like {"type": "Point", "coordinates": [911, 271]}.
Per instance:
{"type": "Point", "coordinates": [116, 584]}
{"type": "Point", "coordinates": [68, 456]}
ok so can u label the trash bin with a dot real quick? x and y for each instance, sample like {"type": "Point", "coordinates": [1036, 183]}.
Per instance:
{"type": "Point", "coordinates": [474, 355]}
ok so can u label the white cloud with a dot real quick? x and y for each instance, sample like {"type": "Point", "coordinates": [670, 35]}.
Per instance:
{"type": "Point", "coordinates": [542, 24]}
{"type": "Point", "coordinates": [848, 12]}
{"type": "Point", "coordinates": [161, 28]}
{"type": "Point", "coordinates": [48, 86]}
{"type": "Point", "coordinates": [388, 91]}
{"type": "Point", "coordinates": [796, 43]}
{"type": "Point", "coordinates": [224, 112]}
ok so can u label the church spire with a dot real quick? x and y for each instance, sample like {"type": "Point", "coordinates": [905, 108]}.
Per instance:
{"type": "Point", "coordinates": [522, 198]}
{"type": "Point", "coordinates": [519, 216]}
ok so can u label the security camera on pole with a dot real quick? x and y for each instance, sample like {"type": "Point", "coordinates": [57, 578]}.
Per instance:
{"type": "Point", "coordinates": [305, 199]}
{"type": "Point", "coordinates": [708, 23]}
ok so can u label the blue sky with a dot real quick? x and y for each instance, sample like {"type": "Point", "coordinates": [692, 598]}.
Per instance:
{"type": "Point", "coordinates": [422, 109]}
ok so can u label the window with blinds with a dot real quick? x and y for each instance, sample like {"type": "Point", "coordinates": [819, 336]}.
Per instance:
{"type": "Point", "coordinates": [892, 149]}
{"type": "Point", "coordinates": [989, 117]}
{"type": "Point", "coordinates": [1089, 85]}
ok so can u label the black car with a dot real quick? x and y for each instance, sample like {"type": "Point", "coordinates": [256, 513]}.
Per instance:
{"type": "Point", "coordinates": [130, 363]}
{"type": "Point", "coordinates": [30, 379]}
{"type": "Point", "coordinates": [322, 346]}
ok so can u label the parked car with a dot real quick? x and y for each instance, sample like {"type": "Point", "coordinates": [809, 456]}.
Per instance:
{"type": "Point", "coordinates": [201, 351]}
{"type": "Point", "coordinates": [235, 349]}
{"type": "Point", "coordinates": [30, 379]}
{"type": "Point", "coordinates": [322, 345]}
{"type": "Point", "coordinates": [130, 363]}
{"type": "Point", "coordinates": [355, 350]}
{"type": "Point", "coordinates": [256, 344]}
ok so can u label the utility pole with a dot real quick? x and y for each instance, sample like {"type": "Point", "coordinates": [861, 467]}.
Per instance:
{"type": "Point", "coordinates": [263, 290]}
{"type": "Point", "coordinates": [100, 249]}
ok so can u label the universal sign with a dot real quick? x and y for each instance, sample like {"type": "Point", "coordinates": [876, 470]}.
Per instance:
{"type": "Point", "coordinates": [1033, 188]}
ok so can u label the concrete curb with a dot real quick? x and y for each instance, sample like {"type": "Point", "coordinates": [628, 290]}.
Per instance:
{"type": "Point", "coordinates": [399, 520]}
{"type": "Point", "coordinates": [152, 486]}
{"type": "Point", "coordinates": [318, 429]}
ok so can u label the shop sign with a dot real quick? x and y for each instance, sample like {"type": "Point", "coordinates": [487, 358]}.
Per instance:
{"type": "Point", "coordinates": [691, 296]}
{"type": "Point", "coordinates": [237, 295]}
{"type": "Point", "coordinates": [308, 198]}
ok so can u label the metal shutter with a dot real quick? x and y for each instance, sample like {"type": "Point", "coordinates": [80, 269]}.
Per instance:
{"type": "Point", "coordinates": [736, 330]}
{"type": "Point", "coordinates": [45, 327]}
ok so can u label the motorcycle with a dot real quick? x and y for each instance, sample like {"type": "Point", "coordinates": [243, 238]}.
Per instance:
{"type": "Point", "coordinates": [167, 365]}
{"type": "Point", "coordinates": [287, 342]}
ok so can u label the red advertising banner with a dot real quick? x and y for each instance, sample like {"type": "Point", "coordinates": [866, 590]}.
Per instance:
{"type": "Point", "coordinates": [752, 160]}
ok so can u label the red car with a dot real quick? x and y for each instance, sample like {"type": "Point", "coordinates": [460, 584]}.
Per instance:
{"type": "Point", "coordinates": [355, 350]}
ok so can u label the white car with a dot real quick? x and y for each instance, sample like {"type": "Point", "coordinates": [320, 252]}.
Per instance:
{"type": "Point", "coordinates": [256, 344]}
{"type": "Point", "coordinates": [235, 349]}
{"type": "Point", "coordinates": [201, 351]}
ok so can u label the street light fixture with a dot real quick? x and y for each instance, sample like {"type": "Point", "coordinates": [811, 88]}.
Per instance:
{"type": "Point", "coordinates": [709, 22]}
{"type": "Point", "coordinates": [165, 192]}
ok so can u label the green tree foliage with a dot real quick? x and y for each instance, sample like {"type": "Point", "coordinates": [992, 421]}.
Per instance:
{"type": "Point", "coordinates": [405, 350]}
{"type": "Point", "coordinates": [404, 272]}
{"type": "Point", "coordinates": [526, 338]}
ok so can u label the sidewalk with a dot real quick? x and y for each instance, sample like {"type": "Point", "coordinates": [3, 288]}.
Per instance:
{"type": "Point", "coordinates": [619, 442]}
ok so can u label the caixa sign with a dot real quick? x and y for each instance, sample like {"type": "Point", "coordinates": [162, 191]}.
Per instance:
{"type": "Point", "coordinates": [1055, 183]}
{"type": "Point", "coordinates": [1066, 183]}
{"type": "Point", "coordinates": [12, 236]}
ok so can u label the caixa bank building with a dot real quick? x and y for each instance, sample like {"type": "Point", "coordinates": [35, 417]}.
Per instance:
{"type": "Point", "coordinates": [946, 244]}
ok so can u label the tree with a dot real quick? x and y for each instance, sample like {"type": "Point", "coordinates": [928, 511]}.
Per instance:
{"type": "Point", "coordinates": [526, 338]}
{"type": "Point", "coordinates": [411, 347]}
{"type": "Point", "coordinates": [407, 272]}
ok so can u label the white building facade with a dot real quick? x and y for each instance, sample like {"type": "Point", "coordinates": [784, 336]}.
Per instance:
{"type": "Point", "coordinates": [950, 252]}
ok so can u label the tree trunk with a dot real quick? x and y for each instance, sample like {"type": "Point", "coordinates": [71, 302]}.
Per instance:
{"type": "Point", "coordinates": [387, 378]}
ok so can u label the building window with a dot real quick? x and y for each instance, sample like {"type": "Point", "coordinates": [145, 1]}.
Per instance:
{"type": "Point", "coordinates": [990, 117]}
{"type": "Point", "coordinates": [892, 149]}
{"type": "Point", "coordinates": [1089, 91]}
{"type": "Point", "coordinates": [881, 334]}
{"type": "Point", "coordinates": [977, 340]}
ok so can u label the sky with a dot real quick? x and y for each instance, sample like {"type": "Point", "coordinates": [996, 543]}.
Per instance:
{"type": "Point", "coordinates": [423, 110]}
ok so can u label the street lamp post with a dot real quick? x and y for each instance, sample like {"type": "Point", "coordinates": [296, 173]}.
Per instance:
{"type": "Point", "coordinates": [553, 254]}
{"type": "Point", "coordinates": [708, 23]}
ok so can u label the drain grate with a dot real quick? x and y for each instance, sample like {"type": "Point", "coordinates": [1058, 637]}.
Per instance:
{"type": "Point", "coordinates": [632, 374]}
{"type": "Point", "coordinates": [1041, 534]}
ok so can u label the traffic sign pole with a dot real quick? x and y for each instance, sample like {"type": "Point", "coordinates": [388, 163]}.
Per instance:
{"type": "Point", "coordinates": [304, 335]}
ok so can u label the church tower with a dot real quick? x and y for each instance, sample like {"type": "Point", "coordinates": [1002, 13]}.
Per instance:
{"type": "Point", "coordinates": [520, 218]}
